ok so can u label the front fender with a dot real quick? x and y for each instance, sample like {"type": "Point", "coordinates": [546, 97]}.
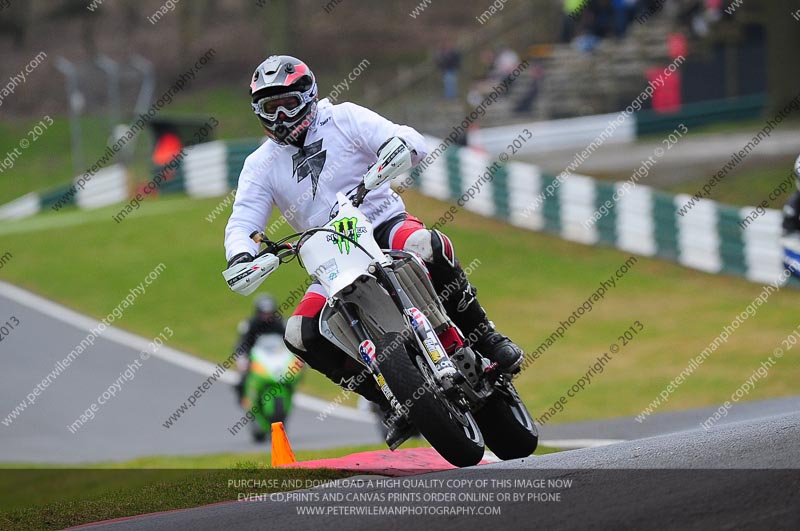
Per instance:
{"type": "Point", "coordinates": [377, 309]}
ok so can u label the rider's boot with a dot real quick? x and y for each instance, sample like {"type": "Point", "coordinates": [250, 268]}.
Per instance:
{"type": "Point", "coordinates": [398, 427]}
{"type": "Point", "coordinates": [483, 336]}
{"type": "Point", "coordinates": [459, 299]}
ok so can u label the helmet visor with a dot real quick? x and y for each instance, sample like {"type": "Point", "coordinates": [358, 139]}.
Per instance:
{"type": "Point", "coordinates": [290, 104]}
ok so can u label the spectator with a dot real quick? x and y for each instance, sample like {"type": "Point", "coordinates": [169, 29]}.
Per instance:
{"type": "Point", "coordinates": [506, 61]}
{"type": "Point", "coordinates": [500, 63]}
{"type": "Point", "coordinates": [527, 101]}
{"type": "Point", "coordinates": [586, 40]}
{"type": "Point", "coordinates": [691, 15]}
{"type": "Point", "coordinates": [448, 59]}
{"type": "Point", "coordinates": [572, 14]}
{"type": "Point", "coordinates": [483, 82]}
{"type": "Point", "coordinates": [623, 14]}
{"type": "Point", "coordinates": [714, 10]}
{"type": "Point", "coordinates": [603, 12]}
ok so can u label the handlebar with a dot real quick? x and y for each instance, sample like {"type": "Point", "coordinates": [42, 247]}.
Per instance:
{"type": "Point", "coordinates": [361, 193]}
{"type": "Point", "coordinates": [271, 247]}
{"type": "Point", "coordinates": [286, 251]}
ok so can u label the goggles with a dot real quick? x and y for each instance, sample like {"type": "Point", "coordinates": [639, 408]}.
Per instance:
{"type": "Point", "coordinates": [289, 104]}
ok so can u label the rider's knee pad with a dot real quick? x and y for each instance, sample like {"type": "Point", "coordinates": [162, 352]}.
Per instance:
{"type": "Point", "coordinates": [419, 242]}
{"type": "Point", "coordinates": [293, 337]}
{"type": "Point", "coordinates": [432, 246]}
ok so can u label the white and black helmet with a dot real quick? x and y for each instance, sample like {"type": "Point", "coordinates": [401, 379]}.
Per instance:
{"type": "Point", "coordinates": [284, 94]}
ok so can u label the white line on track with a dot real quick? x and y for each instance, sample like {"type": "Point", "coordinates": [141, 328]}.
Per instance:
{"type": "Point", "coordinates": [574, 444]}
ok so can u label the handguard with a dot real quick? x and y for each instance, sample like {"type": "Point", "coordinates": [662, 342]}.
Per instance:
{"type": "Point", "coordinates": [246, 277]}
{"type": "Point", "coordinates": [394, 158]}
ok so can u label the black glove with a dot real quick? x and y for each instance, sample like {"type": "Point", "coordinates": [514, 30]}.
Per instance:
{"type": "Point", "coordinates": [240, 259]}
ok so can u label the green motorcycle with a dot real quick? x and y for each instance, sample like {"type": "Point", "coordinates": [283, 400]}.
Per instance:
{"type": "Point", "coordinates": [270, 383]}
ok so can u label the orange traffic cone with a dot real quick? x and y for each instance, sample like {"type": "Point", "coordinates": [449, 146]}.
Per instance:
{"type": "Point", "coordinates": [281, 449]}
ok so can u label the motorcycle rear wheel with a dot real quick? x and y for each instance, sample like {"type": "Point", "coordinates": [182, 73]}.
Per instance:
{"type": "Point", "coordinates": [278, 411]}
{"type": "Point", "coordinates": [507, 427]}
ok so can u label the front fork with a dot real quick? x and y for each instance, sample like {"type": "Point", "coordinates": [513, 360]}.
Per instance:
{"type": "Point", "coordinates": [366, 349]}
{"type": "Point", "coordinates": [427, 339]}
{"type": "Point", "coordinates": [451, 374]}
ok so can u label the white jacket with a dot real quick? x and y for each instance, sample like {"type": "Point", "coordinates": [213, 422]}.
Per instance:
{"type": "Point", "coordinates": [340, 146]}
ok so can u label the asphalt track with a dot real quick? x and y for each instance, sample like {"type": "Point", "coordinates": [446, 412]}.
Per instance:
{"type": "Point", "coordinates": [662, 482]}
{"type": "Point", "coordinates": [129, 425]}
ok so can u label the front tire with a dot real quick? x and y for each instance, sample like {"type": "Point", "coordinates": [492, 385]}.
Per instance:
{"type": "Point", "coordinates": [507, 427]}
{"type": "Point", "coordinates": [452, 433]}
{"type": "Point", "coordinates": [258, 433]}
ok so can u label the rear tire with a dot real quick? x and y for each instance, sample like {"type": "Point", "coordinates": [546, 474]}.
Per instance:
{"type": "Point", "coordinates": [455, 435]}
{"type": "Point", "coordinates": [278, 411]}
{"type": "Point", "coordinates": [508, 429]}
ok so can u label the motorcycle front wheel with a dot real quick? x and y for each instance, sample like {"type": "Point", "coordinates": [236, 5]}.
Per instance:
{"type": "Point", "coordinates": [452, 432]}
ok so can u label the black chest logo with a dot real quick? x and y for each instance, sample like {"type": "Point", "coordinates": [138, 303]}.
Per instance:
{"type": "Point", "coordinates": [309, 161]}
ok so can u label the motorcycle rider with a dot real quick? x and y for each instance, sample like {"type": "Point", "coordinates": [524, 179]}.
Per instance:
{"type": "Point", "coordinates": [265, 320]}
{"type": "Point", "coordinates": [791, 227]}
{"type": "Point", "coordinates": [791, 210]}
{"type": "Point", "coordinates": [315, 150]}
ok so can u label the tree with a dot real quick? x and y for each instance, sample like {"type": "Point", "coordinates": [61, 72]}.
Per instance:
{"type": "Point", "coordinates": [16, 20]}
{"type": "Point", "coordinates": [783, 41]}
{"type": "Point", "coordinates": [279, 26]}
